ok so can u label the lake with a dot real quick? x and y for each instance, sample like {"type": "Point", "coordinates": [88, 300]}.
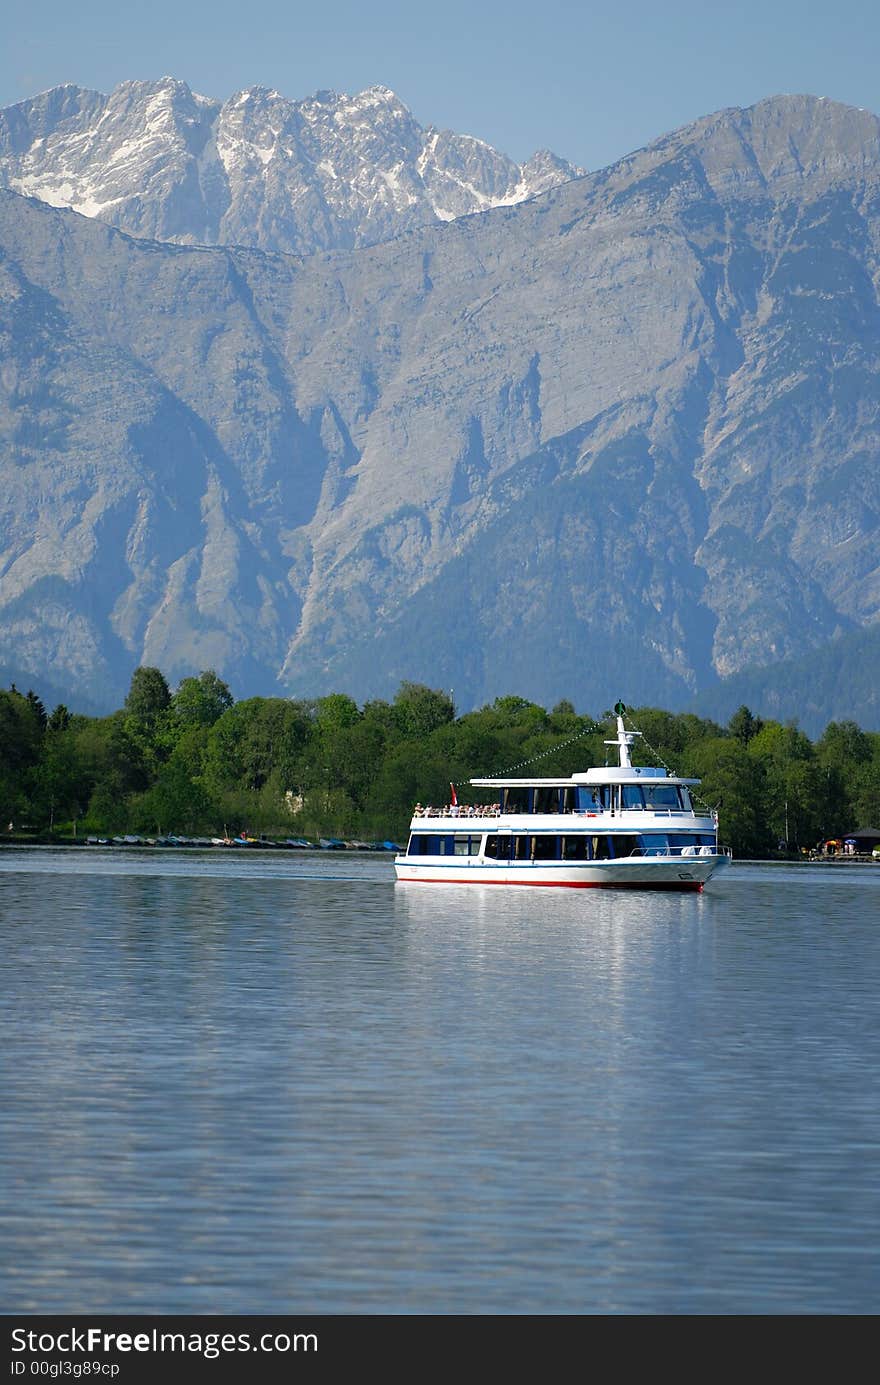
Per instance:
{"type": "Point", "coordinates": [239, 1082]}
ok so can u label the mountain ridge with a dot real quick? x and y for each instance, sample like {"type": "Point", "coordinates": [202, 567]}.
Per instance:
{"type": "Point", "coordinates": [632, 423]}
{"type": "Point", "coordinates": [330, 171]}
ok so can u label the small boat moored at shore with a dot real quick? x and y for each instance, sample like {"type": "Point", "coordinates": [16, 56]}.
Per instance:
{"type": "Point", "coordinates": [624, 826]}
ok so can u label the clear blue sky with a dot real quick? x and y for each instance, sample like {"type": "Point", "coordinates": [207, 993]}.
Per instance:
{"type": "Point", "coordinates": [590, 81]}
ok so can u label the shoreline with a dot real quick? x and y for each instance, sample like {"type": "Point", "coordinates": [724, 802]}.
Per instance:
{"type": "Point", "coordinates": [343, 846]}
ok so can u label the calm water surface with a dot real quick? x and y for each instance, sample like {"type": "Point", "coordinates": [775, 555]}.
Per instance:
{"type": "Point", "coordinates": [281, 1083]}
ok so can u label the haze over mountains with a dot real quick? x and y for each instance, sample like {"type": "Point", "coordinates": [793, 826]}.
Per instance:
{"type": "Point", "coordinates": [620, 439]}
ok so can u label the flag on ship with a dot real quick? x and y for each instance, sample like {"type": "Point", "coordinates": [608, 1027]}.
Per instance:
{"type": "Point", "coordinates": [454, 795]}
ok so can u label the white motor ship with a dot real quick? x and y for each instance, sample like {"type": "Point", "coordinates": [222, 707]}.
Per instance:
{"type": "Point", "coordinates": [626, 826]}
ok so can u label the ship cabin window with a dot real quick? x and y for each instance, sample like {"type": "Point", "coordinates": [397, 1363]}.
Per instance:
{"type": "Point", "coordinates": [466, 846]}
{"type": "Point", "coordinates": [428, 844]}
{"type": "Point", "coordinates": [575, 849]}
{"type": "Point", "coordinates": [673, 843]}
{"type": "Point", "coordinates": [509, 848]}
{"type": "Point", "coordinates": [547, 800]}
{"type": "Point", "coordinates": [631, 795]}
{"type": "Point", "coordinates": [661, 796]}
{"type": "Point", "coordinates": [604, 848]}
{"type": "Point", "coordinates": [589, 798]}
{"type": "Point", "coordinates": [545, 848]}
{"type": "Point", "coordinates": [516, 800]}
{"type": "Point", "coordinates": [441, 844]}
{"type": "Point", "coordinates": [623, 846]}
{"type": "Point", "coordinates": [655, 843]}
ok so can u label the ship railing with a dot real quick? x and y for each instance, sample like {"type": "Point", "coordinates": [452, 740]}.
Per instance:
{"type": "Point", "coordinates": [678, 851]}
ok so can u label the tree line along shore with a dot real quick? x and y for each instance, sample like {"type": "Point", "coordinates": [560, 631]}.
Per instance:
{"type": "Point", "coordinates": [194, 762]}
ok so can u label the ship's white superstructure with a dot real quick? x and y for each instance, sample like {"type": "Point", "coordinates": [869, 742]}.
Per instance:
{"type": "Point", "coordinates": [621, 826]}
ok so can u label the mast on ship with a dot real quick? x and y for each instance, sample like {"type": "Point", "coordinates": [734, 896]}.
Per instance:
{"type": "Point", "coordinates": [624, 738]}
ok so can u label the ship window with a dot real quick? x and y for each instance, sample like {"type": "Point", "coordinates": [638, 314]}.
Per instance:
{"type": "Point", "coordinates": [632, 796]}
{"type": "Point", "coordinates": [433, 845]}
{"type": "Point", "coordinates": [465, 846]}
{"type": "Point", "coordinates": [679, 839]}
{"type": "Point", "coordinates": [515, 800]}
{"type": "Point", "coordinates": [423, 844]}
{"type": "Point", "coordinates": [601, 850]}
{"type": "Point", "coordinates": [546, 800]}
{"type": "Point", "coordinates": [521, 849]}
{"type": "Point", "coordinates": [661, 796]}
{"type": "Point", "coordinates": [497, 848]}
{"type": "Point", "coordinates": [545, 848]}
{"type": "Point", "coordinates": [574, 849]}
{"type": "Point", "coordinates": [590, 799]}
{"type": "Point", "coordinates": [658, 843]}
{"type": "Point", "coordinates": [623, 846]}
{"type": "Point", "coordinates": [662, 843]}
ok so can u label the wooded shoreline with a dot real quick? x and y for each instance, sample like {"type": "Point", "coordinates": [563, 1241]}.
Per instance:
{"type": "Point", "coordinates": [195, 763]}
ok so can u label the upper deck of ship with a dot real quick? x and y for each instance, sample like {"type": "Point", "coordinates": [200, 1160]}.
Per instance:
{"type": "Point", "coordinates": [606, 774]}
{"type": "Point", "coordinates": [623, 772]}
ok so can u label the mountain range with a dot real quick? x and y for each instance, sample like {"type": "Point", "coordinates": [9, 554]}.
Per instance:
{"type": "Point", "coordinates": [331, 172]}
{"type": "Point", "coordinates": [617, 439]}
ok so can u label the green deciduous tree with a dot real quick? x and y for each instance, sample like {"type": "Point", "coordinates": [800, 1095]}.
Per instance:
{"type": "Point", "coordinates": [254, 740]}
{"type": "Point", "coordinates": [422, 710]}
{"type": "Point", "coordinates": [201, 701]}
{"type": "Point", "coordinates": [175, 803]}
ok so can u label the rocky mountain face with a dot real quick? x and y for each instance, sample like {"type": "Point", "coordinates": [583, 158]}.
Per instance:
{"type": "Point", "coordinates": [619, 440]}
{"type": "Point", "coordinates": [333, 171]}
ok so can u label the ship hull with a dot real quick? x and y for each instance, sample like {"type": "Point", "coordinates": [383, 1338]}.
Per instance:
{"type": "Point", "coordinates": [640, 874]}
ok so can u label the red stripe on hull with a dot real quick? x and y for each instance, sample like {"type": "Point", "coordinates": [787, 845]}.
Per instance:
{"type": "Point", "coordinates": [556, 884]}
